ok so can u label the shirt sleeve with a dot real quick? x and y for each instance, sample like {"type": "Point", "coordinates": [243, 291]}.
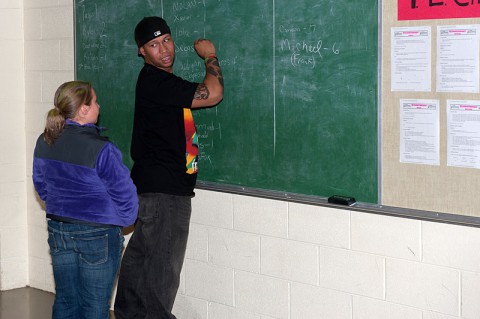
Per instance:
{"type": "Point", "coordinates": [38, 177]}
{"type": "Point", "coordinates": [159, 88]}
{"type": "Point", "coordinates": [116, 178]}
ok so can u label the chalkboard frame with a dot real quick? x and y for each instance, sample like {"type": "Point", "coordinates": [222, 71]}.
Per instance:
{"type": "Point", "coordinates": [320, 145]}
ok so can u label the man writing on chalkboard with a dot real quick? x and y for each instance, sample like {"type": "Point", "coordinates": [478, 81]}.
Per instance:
{"type": "Point", "coordinates": [164, 150]}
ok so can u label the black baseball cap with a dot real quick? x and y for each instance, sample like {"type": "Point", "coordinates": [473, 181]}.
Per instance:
{"type": "Point", "coordinates": [150, 28]}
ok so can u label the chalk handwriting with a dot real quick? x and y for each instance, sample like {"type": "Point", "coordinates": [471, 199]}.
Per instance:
{"type": "Point", "coordinates": [204, 129]}
{"type": "Point", "coordinates": [203, 156]}
{"type": "Point", "coordinates": [187, 5]}
{"type": "Point", "coordinates": [295, 29]}
{"type": "Point", "coordinates": [94, 30]}
{"type": "Point", "coordinates": [90, 67]}
{"type": "Point", "coordinates": [91, 57]}
{"type": "Point", "coordinates": [206, 140]}
{"type": "Point", "coordinates": [297, 60]}
{"type": "Point", "coordinates": [91, 15]}
{"type": "Point", "coordinates": [188, 65]}
{"type": "Point", "coordinates": [194, 70]}
{"type": "Point", "coordinates": [302, 46]}
{"type": "Point", "coordinates": [289, 29]}
{"type": "Point", "coordinates": [182, 32]}
{"type": "Point", "coordinates": [95, 43]}
{"type": "Point", "coordinates": [177, 18]}
{"type": "Point", "coordinates": [304, 53]}
{"type": "Point", "coordinates": [184, 48]}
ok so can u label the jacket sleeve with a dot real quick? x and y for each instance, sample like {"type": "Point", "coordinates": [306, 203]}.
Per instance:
{"type": "Point", "coordinates": [116, 178]}
{"type": "Point", "coordinates": [38, 177]}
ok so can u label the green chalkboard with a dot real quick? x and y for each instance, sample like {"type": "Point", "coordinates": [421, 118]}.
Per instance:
{"type": "Point", "coordinates": [300, 108]}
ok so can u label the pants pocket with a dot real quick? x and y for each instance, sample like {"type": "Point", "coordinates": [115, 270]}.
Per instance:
{"type": "Point", "coordinates": [92, 250]}
{"type": "Point", "coordinates": [148, 208]}
{"type": "Point", "coordinates": [52, 243]}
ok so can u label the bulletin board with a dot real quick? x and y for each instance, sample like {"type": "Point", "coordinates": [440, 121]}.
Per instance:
{"type": "Point", "coordinates": [447, 192]}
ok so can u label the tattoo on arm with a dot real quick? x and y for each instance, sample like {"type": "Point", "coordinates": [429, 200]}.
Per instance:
{"type": "Point", "coordinates": [213, 68]}
{"type": "Point", "coordinates": [201, 93]}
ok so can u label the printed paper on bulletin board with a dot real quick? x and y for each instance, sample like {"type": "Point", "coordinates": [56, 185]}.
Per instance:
{"type": "Point", "coordinates": [437, 9]}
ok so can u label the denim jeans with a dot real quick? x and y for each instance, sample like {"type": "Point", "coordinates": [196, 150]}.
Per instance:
{"type": "Point", "coordinates": [151, 265]}
{"type": "Point", "coordinates": [85, 263]}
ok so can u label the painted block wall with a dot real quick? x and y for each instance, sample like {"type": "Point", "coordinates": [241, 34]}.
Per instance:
{"type": "Point", "coordinates": [257, 258]}
{"type": "Point", "coordinates": [247, 257]}
{"type": "Point", "coordinates": [49, 61]}
{"type": "Point", "coordinates": [13, 211]}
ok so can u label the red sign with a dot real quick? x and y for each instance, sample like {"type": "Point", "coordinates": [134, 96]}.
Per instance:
{"type": "Point", "coordinates": [437, 9]}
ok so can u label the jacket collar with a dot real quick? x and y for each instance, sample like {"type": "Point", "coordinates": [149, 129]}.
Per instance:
{"type": "Point", "coordinates": [91, 125]}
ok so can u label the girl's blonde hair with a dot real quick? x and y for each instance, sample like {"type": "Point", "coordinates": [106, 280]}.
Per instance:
{"type": "Point", "coordinates": [70, 96]}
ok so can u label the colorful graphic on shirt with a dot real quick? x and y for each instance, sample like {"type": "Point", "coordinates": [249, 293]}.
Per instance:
{"type": "Point", "coordinates": [191, 140]}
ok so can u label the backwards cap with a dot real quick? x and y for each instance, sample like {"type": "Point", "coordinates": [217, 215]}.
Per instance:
{"type": "Point", "coordinates": [150, 28]}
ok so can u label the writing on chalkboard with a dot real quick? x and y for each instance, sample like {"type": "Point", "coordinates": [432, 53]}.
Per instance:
{"type": "Point", "coordinates": [192, 70]}
{"type": "Point", "coordinates": [94, 47]}
{"type": "Point", "coordinates": [304, 52]}
{"type": "Point", "coordinates": [303, 47]}
{"type": "Point", "coordinates": [186, 11]}
{"type": "Point", "coordinates": [206, 142]}
{"type": "Point", "coordinates": [179, 6]}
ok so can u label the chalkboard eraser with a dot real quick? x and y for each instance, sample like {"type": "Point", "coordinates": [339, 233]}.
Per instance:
{"type": "Point", "coordinates": [341, 200]}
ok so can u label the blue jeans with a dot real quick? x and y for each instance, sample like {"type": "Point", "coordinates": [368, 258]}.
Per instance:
{"type": "Point", "coordinates": [152, 262]}
{"type": "Point", "coordinates": [85, 263]}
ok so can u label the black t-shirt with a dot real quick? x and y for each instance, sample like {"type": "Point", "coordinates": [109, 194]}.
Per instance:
{"type": "Point", "coordinates": [158, 140]}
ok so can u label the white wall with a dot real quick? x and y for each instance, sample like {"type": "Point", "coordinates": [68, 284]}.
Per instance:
{"type": "Point", "coordinates": [259, 258]}
{"type": "Point", "coordinates": [247, 257]}
{"type": "Point", "coordinates": [49, 62]}
{"type": "Point", "coordinates": [13, 212]}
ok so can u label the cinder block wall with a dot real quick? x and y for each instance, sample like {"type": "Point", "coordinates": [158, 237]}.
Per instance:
{"type": "Point", "coordinates": [247, 257]}
{"type": "Point", "coordinates": [49, 61]}
{"type": "Point", "coordinates": [257, 258]}
{"type": "Point", "coordinates": [13, 208]}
